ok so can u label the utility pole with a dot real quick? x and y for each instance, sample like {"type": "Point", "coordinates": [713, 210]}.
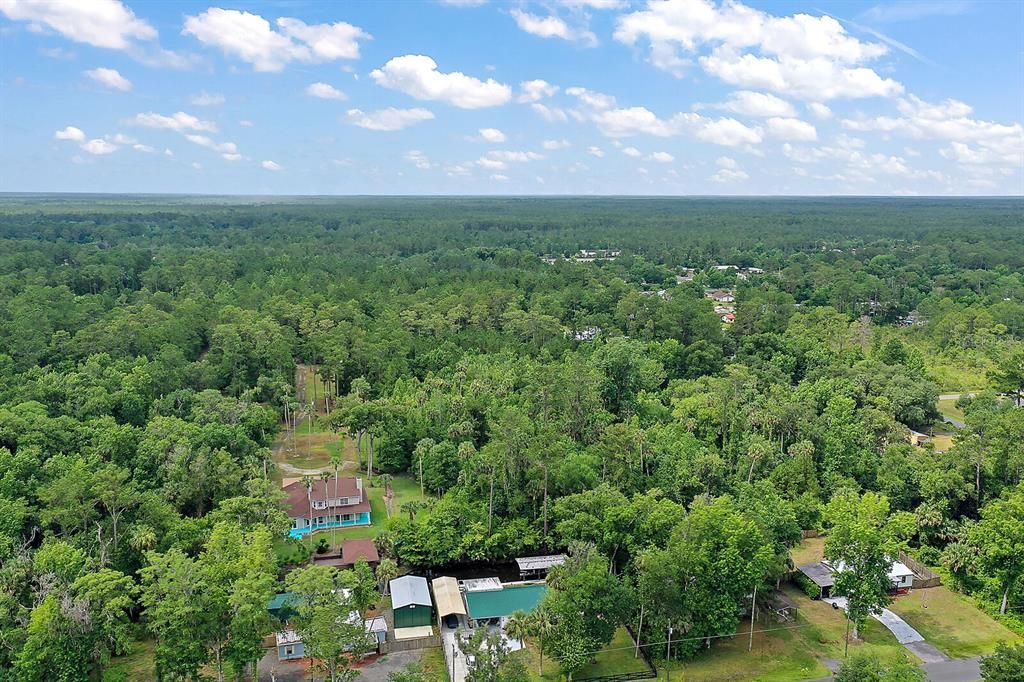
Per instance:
{"type": "Point", "coordinates": [846, 649]}
{"type": "Point", "coordinates": [636, 652]}
{"type": "Point", "coordinates": [668, 655]}
{"type": "Point", "coordinates": [753, 610]}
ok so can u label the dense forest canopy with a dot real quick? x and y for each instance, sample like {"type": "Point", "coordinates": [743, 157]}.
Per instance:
{"type": "Point", "coordinates": [147, 359]}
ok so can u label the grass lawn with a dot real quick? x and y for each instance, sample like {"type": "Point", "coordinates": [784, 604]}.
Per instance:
{"type": "Point", "coordinates": [617, 658]}
{"type": "Point", "coordinates": [138, 665]}
{"type": "Point", "coordinates": [951, 622]}
{"type": "Point", "coordinates": [434, 666]}
{"type": "Point", "coordinates": [948, 408]}
{"type": "Point", "coordinates": [942, 442]}
{"type": "Point", "coordinates": [775, 657]}
{"type": "Point", "coordinates": [785, 652]}
{"type": "Point", "coordinates": [808, 551]}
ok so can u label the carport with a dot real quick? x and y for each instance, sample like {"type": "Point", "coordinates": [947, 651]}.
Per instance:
{"type": "Point", "coordinates": [448, 597]}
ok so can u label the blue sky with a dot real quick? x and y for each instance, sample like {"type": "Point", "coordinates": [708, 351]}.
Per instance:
{"type": "Point", "coordinates": [475, 97]}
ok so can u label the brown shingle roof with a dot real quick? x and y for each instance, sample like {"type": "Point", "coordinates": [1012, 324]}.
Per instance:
{"type": "Point", "coordinates": [351, 552]}
{"type": "Point", "coordinates": [354, 550]}
{"type": "Point", "coordinates": [296, 502]}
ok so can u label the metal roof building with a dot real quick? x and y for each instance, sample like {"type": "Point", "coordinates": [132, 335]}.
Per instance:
{"type": "Point", "coordinates": [448, 597]}
{"type": "Point", "coordinates": [410, 601]}
{"type": "Point", "coordinates": [536, 565]}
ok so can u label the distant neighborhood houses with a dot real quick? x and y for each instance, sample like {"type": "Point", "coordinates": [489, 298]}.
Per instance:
{"type": "Point", "coordinates": [585, 334]}
{"type": "Point", "coordinates": [585, 256]}
{"type": "Point", "coordinates": [741, 272]}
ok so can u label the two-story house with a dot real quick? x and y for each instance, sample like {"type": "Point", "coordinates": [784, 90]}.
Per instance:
{"type": "Point", "coordinates": [334, 503]}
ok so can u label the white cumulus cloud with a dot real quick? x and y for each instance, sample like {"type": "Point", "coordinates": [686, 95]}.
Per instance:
{"type": "Point", "coordinates": [98, 147]}
{"type": "Point", "coordinates": [325, 91]}
{"type": "Point", "coordinates": [492, 135]}
{"type": "Point", "coordinates": [791, 129]}
{"type": "Point", "coordinates": [70, 133]}
{"type": "Point", "coordinates": [270, 165]}
{"type": "Point", "coordinates": [100, 23]}
{"type": "Point", "coordinates": [661, 157]}
{"type": "Point", "coordinates": [804, 56]}
{"type": "Point", "coordinates": [389, 119]}
{"type": "Point", "coordinates": [750, 103]}
{"type": "Point", "coordinates": [551, 26]}
{"type": "Point", "coordinates": [109, 78]}
{"type": "Point", "coordinates": [419, 77]}
{"type": "Point", "coordinates": [252, 39]}
{"type": "Point", "coordinates": [552, 145]}
{"type": "Point", "coordinates": [534, 90]}
{"type": "Point", "coordinates": [178, 121]}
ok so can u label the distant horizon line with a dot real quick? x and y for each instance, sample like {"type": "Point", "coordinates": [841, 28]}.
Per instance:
{"type": "Point", "coordinates": [12, 194]}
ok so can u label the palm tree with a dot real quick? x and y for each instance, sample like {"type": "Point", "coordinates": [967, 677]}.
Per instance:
{"type": "Point", "coordinates": [540, 626]}
{"type": "Point", "coordinates": [387, 570]}
{"type": "Point", "coordinates": [518, 626]}
{"type": "Point", "coordinates": [412, 507]}
{"type": "Point", "coordinates": [307, 481]}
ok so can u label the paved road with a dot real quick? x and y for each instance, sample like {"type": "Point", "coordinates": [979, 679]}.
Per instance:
{"type": "Point", "coordinates": [961, 670]}
{"type": "Point", "coordinates": [927, 652]}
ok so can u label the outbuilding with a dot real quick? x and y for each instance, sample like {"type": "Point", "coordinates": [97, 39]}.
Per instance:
{"type": "Point", "coordinates": [537, 566]}
{"type": "Point", "coordinates": [289, 646]}
{"type": "Point", "coordinates": [410, 602]}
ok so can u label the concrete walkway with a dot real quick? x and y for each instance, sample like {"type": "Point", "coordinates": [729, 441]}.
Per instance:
{"type": "Point", "coordinates": [897, 626]}
{"type": "Point", "coordinates": [453, 656]}
{"type": "Point", "coordinates": [958, 670]}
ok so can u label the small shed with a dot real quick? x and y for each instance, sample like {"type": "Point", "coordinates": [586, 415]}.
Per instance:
{"type": "Point", "coordinates": [901, 576]}
{"type": "Point", "coordinates": [410, 602]}
{"type": "Point", "coordinates": [821, 575]}
{"type": "Point", "coordinates": [289, 645]}
{"type": "Point", "coordinates": [536, 566]}
{"type": "Point", "coordinates": [448, 597]}
{"type": "Point", "coordinates": [377, 627]}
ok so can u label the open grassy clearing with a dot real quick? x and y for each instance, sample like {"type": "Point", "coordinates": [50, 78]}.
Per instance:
{"type": "Point", "coordinates": [138, 665]}
{"type": "Point", "coordinates": [948, 408]}
{"type": "Point", "coordinates": [434, 666]}
{"type": "Point", "coordinates": [951, 622]}
{"type": "Point", "coordinates": [942, 442]}
{"type": "Point", "coordinates": [808, 551]}
{"type": "Point", "coordinates": [617, 658]}
{"type": "Point", "coordinates": [775, 657]}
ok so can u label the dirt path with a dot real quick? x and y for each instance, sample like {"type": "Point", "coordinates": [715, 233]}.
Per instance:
{"type": "Point", "coordinates": [307, 450]}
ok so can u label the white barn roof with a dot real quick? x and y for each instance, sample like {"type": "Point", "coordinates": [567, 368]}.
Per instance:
{"type": "Point", "coordinates": [408, 590]}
